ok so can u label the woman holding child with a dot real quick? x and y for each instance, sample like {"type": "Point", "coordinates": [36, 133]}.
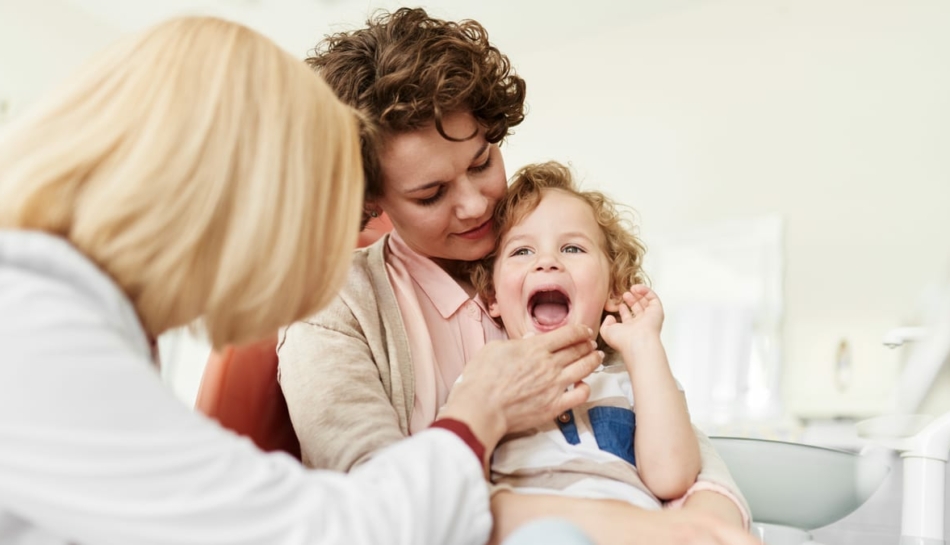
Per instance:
{"type": "Point", "coordinates": [379, 363]}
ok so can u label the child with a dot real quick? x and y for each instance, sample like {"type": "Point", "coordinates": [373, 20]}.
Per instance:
{"type": "Point", "coordinates": [565, 256]}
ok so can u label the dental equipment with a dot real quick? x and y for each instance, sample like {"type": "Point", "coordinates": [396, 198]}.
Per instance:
{"type": "Point", "coordinates": [793, 488]}
{"type": "Point", "coordinates": [897, 337]}
{"type": "Point", "coordinates": [924, 445]}
{"type": "Point", "coordinates": [922, 441]}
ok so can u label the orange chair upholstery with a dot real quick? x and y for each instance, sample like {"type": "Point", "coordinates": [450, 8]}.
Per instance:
{"type": "Point", "coordinates": [239, 386]}
{"type": "Point", "coordinates": [239, 389]}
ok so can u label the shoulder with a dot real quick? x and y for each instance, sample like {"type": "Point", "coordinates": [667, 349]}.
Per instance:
{"type": "Point", "coordinates": [366, 298]}
{"type": "Point", "coordinates": [71, 340]}
{"type": "Point", "coordinates": [367, 272]}
{"type": "Point", "coordinates": [49, 289]}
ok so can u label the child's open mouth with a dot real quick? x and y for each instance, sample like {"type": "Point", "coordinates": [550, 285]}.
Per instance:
{"type": "Point", "coordinates": [549, 308]}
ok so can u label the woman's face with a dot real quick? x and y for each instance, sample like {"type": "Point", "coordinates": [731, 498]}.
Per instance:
{"type": "Point", "coordinates": [440, 194]}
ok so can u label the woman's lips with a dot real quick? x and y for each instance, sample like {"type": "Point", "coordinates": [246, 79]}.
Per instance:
{"type": "Point", "coordinates": [478, 232]}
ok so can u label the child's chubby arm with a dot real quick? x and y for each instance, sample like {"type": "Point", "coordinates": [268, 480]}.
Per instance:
{"type": "Point", "coordinates": [666, 448]}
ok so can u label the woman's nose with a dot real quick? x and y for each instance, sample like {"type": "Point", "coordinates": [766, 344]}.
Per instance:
{"type": "Point", "coordinates": [473, 203]}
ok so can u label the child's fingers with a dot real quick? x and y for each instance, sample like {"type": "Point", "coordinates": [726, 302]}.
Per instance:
{"type": "Point", "coordinates": [644, 291]}
{"type": "Point", "coordinates": [624, 311]}
{"type": "Point", "coordinates": [634, 302]}
{"type": "Point", "coordinates": [639, 289]}
{"type": "Point", "coordinates": [608, 322]}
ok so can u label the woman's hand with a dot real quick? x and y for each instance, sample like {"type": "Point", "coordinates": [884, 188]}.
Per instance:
{"type": "Point", "coordinates": [515, 385]}
{"type": "Point", "coordinates": [610, 522]}
{"type": "Point", "coordinates": [641, 313]}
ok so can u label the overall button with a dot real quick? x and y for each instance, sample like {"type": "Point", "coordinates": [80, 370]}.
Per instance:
{"type": "Point", "coordinates": [564, 418]}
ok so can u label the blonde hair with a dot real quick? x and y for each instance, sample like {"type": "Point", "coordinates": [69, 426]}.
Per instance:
{"type": "Point", "coordinates": [208, 172]}
{"type": "Point", "coordinates": [623, 249]}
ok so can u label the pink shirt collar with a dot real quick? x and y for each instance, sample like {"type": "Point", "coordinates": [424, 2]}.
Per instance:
{"type": "Point", "coordinates": [443, 291]}
{"type": "Point", "coordinates": [445, 327]}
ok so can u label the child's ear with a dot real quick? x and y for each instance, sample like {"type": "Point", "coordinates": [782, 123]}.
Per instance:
{"type": "Point", "coordinates": [613, 303]}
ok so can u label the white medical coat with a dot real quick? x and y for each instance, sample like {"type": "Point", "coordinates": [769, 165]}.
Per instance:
{"type": "Point", "coordinates": [95, 450]}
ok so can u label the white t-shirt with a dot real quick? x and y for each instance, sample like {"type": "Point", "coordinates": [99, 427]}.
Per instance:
{"type": "Point", "coordinates": [586, 453]}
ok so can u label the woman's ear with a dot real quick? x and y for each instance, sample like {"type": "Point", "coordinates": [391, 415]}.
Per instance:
{"type": "Point", "coordinates": [372, 210]}
{"type": "Point", "coordinates": [493, 306]}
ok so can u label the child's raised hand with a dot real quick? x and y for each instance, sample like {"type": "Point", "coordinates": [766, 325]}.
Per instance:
{"type": "Point", "coordinates": [641, 313]}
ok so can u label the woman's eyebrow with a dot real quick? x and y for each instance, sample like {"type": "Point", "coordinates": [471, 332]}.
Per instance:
{"type": "Point", "coordinates": [423, 187]}
{"type": "Point", "coordinates": [430, 185]}
{"type": "Point", "coordinates": [480, 151]}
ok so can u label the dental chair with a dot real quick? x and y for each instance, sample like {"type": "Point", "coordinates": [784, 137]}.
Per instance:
{"type": "Point", "coordinates": [239, 386]}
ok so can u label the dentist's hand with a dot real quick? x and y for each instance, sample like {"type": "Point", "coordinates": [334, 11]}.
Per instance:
{"type": "Point", "coordinates": [515, 385]}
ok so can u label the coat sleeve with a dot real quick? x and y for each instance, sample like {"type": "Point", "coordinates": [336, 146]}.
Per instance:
{"type": "Point", "coordinates": [95, 449]}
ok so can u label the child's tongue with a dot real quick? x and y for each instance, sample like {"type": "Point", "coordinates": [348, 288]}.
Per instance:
{"type": "Point", "coordinates": [549, 314]}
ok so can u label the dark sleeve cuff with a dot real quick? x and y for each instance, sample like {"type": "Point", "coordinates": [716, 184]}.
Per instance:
{"type": "Point", "coordinates": [465, 434]}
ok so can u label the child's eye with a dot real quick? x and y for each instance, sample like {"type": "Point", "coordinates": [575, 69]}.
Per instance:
{"type": "Point", "coordinates": [572, 249]}
{"type": "Point", "coordinates": [434, 198]}
{"type": "Point", "coordinates": [521, 251]}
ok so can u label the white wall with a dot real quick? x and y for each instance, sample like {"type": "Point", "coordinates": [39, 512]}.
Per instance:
{"type": "Point", "coordinates": [834, 114]}
{"type": "Point", "coordinates": [41, 41]}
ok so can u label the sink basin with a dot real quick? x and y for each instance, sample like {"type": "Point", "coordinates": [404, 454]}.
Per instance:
{"type": "Point", "coordinates": [798, 485]}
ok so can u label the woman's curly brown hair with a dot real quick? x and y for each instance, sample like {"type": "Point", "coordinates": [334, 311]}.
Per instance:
{"type": "Point", "coordinates": [406, 69]}
{"type": "Point", "coordinates": [624, 250]}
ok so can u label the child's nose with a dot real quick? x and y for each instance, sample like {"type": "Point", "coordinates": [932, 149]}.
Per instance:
{"type": "Point", "coordinates": [547, 261]}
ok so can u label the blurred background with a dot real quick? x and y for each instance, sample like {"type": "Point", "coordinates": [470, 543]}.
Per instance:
{"type": "Point", "coordinates": [787, 161]}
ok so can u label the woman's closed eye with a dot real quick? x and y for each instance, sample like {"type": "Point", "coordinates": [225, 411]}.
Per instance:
{"type": "Point", "coordinates": [481, 167]}
{"type": "Point", "coordinates": [434, 198]}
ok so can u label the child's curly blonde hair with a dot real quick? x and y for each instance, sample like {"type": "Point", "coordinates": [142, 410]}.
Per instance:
{"type": "Point", "coordinates": [624, 250]}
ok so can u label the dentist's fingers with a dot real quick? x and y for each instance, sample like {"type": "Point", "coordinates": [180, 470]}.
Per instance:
{"type": "Point", "coordinates": [573, 397]}
{"type": "Point", "coordinates": [563, 337]}
{"type": "Point", "coordinates": [578, 370]}
{"type": "Point", "coordinates": [565, 345]}
{"type": "Point", "coordinates": [520, 384]}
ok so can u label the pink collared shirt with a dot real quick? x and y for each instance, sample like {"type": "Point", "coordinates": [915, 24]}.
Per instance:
{"type": "Point", "coordinates": [445, 325]}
